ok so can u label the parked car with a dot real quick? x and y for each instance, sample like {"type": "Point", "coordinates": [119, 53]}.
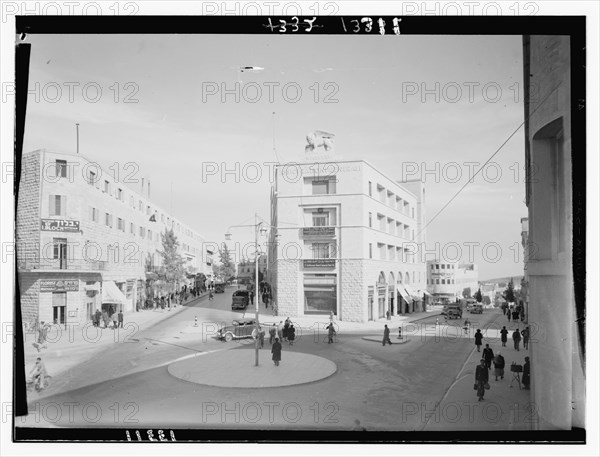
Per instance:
{"type": "Point", "coordinates": [476, 308]}
{"type": "Point", "coordinates": [241, 328]}
{"type": "Point", "coordinates": [240, 299]}
{"type": "Point", "coordinates": [454, 312]}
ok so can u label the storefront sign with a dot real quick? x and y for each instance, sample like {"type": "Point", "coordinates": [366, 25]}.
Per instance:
{"type": "Point", "coordinates": [58, 285]}
{"type": "Point", "coordinates": [319, 263]}
{"type": "Point", "coordinates": [59, 225]}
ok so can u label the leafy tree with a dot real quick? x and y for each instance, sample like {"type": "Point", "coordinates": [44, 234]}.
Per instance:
{"type": "Point", "coordinates": [173, 269]}
{"type": "Point", "coordinates": [509, 293]}
{"type": "Point", "coordinates": [478, 296]}
{"type": "Point", "coordinates": [226, 268]}
{"type": "Point", "coordinates": [466, 293]}
{"type": "Point", "coordinates": [486, 300]}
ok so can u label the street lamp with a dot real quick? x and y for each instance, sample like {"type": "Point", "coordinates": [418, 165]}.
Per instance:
{"type": "Point", "coordinates": [258, 228]}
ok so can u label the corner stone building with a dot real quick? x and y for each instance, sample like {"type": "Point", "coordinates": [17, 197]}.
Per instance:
{"type": "Point", "coordinates": [87, 241]}
{"type": "Point", "coordinates": [346, 240]}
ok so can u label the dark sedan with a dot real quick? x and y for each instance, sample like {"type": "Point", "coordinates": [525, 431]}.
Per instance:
{"type": "Point", "coordinates": [238, 329]}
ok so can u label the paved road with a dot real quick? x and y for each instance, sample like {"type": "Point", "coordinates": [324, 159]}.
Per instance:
{"type": "Point", "coordinates": [375, 387]}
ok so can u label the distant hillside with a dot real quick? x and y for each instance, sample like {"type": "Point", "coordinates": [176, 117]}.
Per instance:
{"type": "Point", "coordinates": [506, 279]}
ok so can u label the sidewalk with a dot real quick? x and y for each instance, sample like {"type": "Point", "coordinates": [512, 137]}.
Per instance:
{"type": "Point", "coordinates": [66, 347]}
{"type": "Point", "coordinates": [505, 405]}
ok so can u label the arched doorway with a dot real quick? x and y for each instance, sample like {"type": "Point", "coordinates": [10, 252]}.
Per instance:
{"type": "Point", "coordinates": [391, 294]}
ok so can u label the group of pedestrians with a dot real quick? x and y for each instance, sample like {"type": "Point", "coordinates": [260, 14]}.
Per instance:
{"type": "Point", "coordinates": [488, 357]}
{"type": "Point", "coordinates": [103, 317]}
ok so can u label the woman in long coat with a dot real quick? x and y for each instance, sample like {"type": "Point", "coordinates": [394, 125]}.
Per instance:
{"type": "Point", "coordinates": [481, 378]}
{"type": "Point", "coordinates": [478, 339]}
{"type": "Point", "coordinates": [276, 351]}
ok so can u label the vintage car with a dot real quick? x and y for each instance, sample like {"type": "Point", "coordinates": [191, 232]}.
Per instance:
{"type": "Point", "coordinates": [220, 287]}
{"type": "Point", "coordinates": [240, 299]}
{"type": "Point", "coordinates": [241, 328]}
{"type": "Point", "coordinates": [454, 312]}
{"type": "Point", "coordinates": [476, 308]}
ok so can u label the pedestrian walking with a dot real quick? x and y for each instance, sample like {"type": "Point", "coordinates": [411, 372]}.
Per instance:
{"type": "Point", "coordinates": [210, 295]}
{"type": "Point", "coordinates": [115, 319]}
{"type": "Point", "coordinates": [499, 364]}
{"type": "Point", "coordinates": [261, 337]}
{"type": "Point", "coordinates": [488, 356]}
{"type": "Point", "coordinates": [120, 320]}
{"type": "Point", "coordinates": [95, 320]}
{"type": "Point", "coordinates": [280, 331]}
{"type": "Point", "coordinates": [386, 336]}
{"type": "Point", "coordinates": [105, 318]}
{"type": "Point", "coordinates": [504, 336]}
{"type": "Point", "coordinates": [478, 339]}
{"type": "Point", "coordinates": [42, 335]}
{"type": "Point", "coordinates": [481, 379]}
{"type": "Point", "coordinates": [508, 315]}
{"type": "Point", "coordinates": [526, 373]}
{"type": "Point", "coordinates": [272, 334]}
{"type": "Point", "coordinates": [276, 351]}
{"type": "Point", "coordinates": [516, 336]}
{"type": "Point", "coordinates": [286, 327]}
{"type": "Point", "coordinates": [98, 317]}
{"type": "Point", "coordinates": [525, 334]}
{"type": "Point", "coordinates": [330, 333]}
{"type": "Point", "coordinates": [291, 334]}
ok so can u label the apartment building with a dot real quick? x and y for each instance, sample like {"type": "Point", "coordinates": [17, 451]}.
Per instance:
{"type": "Point", "coordinates": [87, 239]}
{"type": "Point", "coordinates": [345, 239]}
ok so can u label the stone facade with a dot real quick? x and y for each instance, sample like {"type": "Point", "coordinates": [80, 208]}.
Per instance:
{"type": "Point", "coordinates": [79, 226]}
{"type": "Point", "coordinates": [349, 224]}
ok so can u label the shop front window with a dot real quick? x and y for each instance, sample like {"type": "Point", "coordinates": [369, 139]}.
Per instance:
{"type": "Point", "coordinates": [320, 294]}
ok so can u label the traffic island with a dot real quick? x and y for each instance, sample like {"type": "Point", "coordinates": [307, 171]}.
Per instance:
{"type": "Point", "coordinates": [236, 369]}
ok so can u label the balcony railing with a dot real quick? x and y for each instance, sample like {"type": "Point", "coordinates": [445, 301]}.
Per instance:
{"type": "Point", "coordinates": [317, 231]}
{"type": "Point", "coordinates": [66, 265]}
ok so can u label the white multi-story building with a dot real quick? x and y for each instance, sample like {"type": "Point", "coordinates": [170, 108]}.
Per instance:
{"type": "Point", "coordinates": [246, 269]}
{"type": "Point", "coordinates": [347, 238]}
{"type": "Point", "coordinates": [449, 279]}
{"type": "Point", "coordinates": [86, 240]}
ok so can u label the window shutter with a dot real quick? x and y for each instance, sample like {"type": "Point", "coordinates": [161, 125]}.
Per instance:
{"type": "Point", "coordinates": [63, 205]}
{"type": "Point", "coordinates": [52, 205]}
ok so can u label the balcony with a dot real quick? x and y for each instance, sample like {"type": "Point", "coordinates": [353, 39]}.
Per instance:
{"type": "Point", "coordinates": [63, 265]}
{"type": "Point", "coordinates": [318, 263]}
{"type": "Point", "coordinates": [317, 232]}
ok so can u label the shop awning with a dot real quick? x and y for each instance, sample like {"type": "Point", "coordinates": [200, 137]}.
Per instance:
{"type": "Point", "coordinates": [412, 293]}
{"type": "Point", "coordinates": [427, 293]}
{"type": "Point", "coordinates": [112, 294]}
{"type": "Point", "coordinates": [403, 293]}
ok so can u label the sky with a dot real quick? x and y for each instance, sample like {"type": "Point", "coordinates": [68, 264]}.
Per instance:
{"type": "Point", "coordinates": [416, 107]}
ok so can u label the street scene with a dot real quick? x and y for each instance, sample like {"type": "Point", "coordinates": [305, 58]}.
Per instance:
{"type": "Point", "coordinates": [276, 232]}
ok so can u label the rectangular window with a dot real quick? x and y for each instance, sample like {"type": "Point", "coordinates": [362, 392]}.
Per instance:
{"type": "Point", "coordinates": [106, 186]}
{"type": "Point", "coordinates": [320, 294]}
{"type": "Point", "coordinates": [320, 187]}
{"type": "Point", "coordinates": [120, 224]}
{"type": "Point", "coordinates": [150, 234]}
{"type": "Point", "coordinates": [443, 266]}
{"type": "Point", "coordinates": [370, 219]}
{"type": "Point", "coordinates": [320, 219]}
{"type": "Point", "coordinates": [443, 281]}
{"type": "Point", "coordinates": [142, 232]}
{"type": "Point", "coordinates": [91, 178]}
{"type": "Point", "coordinates": [370, 250]}
{"type": "Point", "coordinates": [320, 250]}
{"type": "Point", "coordinates": [432, 266]}
{"type": "Point", "coordinates": [370, 189]}
{"type": "Point", "coordinates": [108, 219]}
{"type": "Point", "coordinates": [132, 228]}
{"type": "Point", "coordinates": [94, 214]}
{"type": "Point", "coordinates": [437, 266]}
{"type": "Point", "coordinates": [119, 194]}
{"type": "Point", "coordinates": [148, 210]}
{"type": "Point", "coordinates": [58, 205]}
{"type": "Point", "coordinates": [413, 213]}
{"type": "Point", "coordinates": [61, 168]}
{"type": "Point", "coordinates": [437, 281]}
